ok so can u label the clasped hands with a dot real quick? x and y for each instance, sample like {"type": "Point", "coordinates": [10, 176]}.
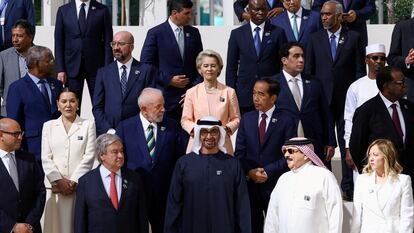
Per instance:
{"type": "Point", "coordinates": [258, 175]}
{"type": "Point", "coordinates": [64, 186]}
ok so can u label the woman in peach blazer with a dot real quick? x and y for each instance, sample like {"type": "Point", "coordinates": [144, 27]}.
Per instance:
{"type": "Point", "coordinates": [211, 98]}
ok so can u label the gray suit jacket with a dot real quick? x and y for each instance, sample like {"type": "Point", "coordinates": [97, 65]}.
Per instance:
{"type": "Point", "coordinates": [9, 72]}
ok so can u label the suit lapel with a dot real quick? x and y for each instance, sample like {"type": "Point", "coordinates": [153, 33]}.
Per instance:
{"type": "Point", "coordinates": [271, 127]}
{"type": "Point", "coordinates": [341, 42]}
{"type": "Point", "coordinates": [202, 98]}
{"type": "Point", "coordinates": [133, 77]}
{"type": "Point", "coordinates": [250, 42]}
{"type": "Point", "coordinates": [10, 5]}
{"type": "Point", "coordinates": [35, 90]}
{"type": "Point", "coordinates": [253, 128]}
{"type": "Point", "coordinates": [372, 197]}
{"type": "Point", "coordinates": [404, 109]}
{"type": "Point", "coordinates": [101, 186]}
{"type": "Point", "coordinates": [159, 142]}
{"type": "Point", "coordinates": [124, 187]}
{"type": "Point", "coordinates": [306, 92]}
{"type": "Point", "coordinates": [303, 23]}
{"type": "Point", "coordinates": [287, 27]}
{"type": "Point", "coordinates": [142, 140]}
{"type": "Point", "coordinates": [4, 173]}
{"type": "Point", "coordinates": [114, 81]}
{"type": "Point", "coordinates": [171, 34]}
{"type": "Point", "coordinates": [267, 37]}
{"type": "Point", "coordinates": [388, 119]}
{"type": "Point", "coordinates": [75, 126]}
{"type": "Point", "coordinates": [285, 86]}
{"type": "Point", "coordinates": [74, 16]}
{"type": "Point", "coordinates": [54, 93]}
{"type": "Point", "coordinates": [91, 14]}
{"type": "Point", "coordinates": [386, 192]}
{"type": "Point", "coordinates": [325, 44]}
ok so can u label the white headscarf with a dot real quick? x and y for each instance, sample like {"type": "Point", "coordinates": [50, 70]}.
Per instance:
{"type": "Point", "coordinates": [208, 122]}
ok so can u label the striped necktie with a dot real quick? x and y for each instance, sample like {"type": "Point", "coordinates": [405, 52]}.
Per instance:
{"type": "Point", "coordinates": [151, 141]}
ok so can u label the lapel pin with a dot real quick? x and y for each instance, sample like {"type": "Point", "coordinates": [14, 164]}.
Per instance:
{"type": "Point", "coordinates": [274, 120]}
{"type": "Point", "coordinates": [52, 86]}
{"type": "Point", "coordinates": [80, 138]}
{"type": "Point", "coordinates": [341, 40]}
{"type": "Point", "coordinates": [137, 72]}
{"type": "Point", "coordinates": [405, 107]}
{"type": "Point", "coordinates": [305, 17]}
{"type": "Point", "coordinates": [371, 191]}
{"type": "Point", "coordinates": [307, 81]}
{"type": "Point", "coordinates": [306, 198]}
{"type": "Point", "coordinates": [125, 181]}
{"type": "Point", "coordinates": [93, 8]}
{"type": "Point", "coordinates": [162, 128]}
{"type": "Point", "coordinates": [187, 34]}
{"type": "Point", "coordinates": [124, 186]}
{"type": "Point", "coordinates": [219, 172]}
{"type": "Point", "coordinates": [267, 33]}
{"type": "Point", "coordinates": [222, 99]}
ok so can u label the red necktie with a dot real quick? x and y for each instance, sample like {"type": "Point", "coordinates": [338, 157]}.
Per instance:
{"type": "Point", "coordinates": [396, 120]}
{"type": "Point", "coordinates": [112, 191]}
{"type": "Point", "coordinates": [262, 128]}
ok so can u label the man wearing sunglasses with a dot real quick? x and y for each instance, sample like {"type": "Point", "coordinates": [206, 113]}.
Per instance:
{"type": "Point", "coordinates": [358, 93]}
{"type": "Point", "coordinates": [387, 115]}
{"type": "Point", "coordinates": [307, 198]}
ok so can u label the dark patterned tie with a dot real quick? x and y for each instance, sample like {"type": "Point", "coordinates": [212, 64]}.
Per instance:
{"type": "Point", "coordinates": [124, 80]}
{"type": "Point", "coordinates": [82, 18]}
{"type": "Point", "coordinates": [43, 90]}
{"type": "Point", "coordinates": [396, 120]}
{"type": "Point", "coordinates": [151, 141]}
{"type": "Point", "coordinates": [262, 128]}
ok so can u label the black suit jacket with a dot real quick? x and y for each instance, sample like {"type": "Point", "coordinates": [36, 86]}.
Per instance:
{"type": "Point", "coordinates": [244, 67]}
{"type": "Point", "coordinates": [336, 75]}
{"type": "Point", "coordinates": [94, 211]}
{"type": "Point", "coordinates": [401, 42]}
{"type": "Point", "coordinates": [71, 46]}
{"type": "Point", "coordinates": [25, 205]}
{"type": "Point", "coordinates": [314, 114]}
{"type": "Point", "coordinates": [372, 121]}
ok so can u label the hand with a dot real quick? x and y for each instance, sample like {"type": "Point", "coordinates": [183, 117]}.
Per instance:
{"type": "Point", "coordinates": [329, 152]}
{"type": "Point", "coordinates": [275, 12]}
{"type": "Point", "coordinates": [179, 81]}
{"type": "Point", "coordinates": [258, 175]}
{"type": "Point", "coordinates": [181, 103]}
{"type": "Point", "coordinates": [22, 228]}
{"type": "Point", "coordinates": [246, 16]}
{"type": "Point", "coordinates": [64, 186]}
{"type": "Point", "coordinates": [62, 77]}
{"type": "Point", "coordinates": [228, 130]}
{"type": "Point", "coordinates": [350, 17]}
{"type": "Point", "coordinates": [348, 159]}
{"type": "Point", "coordinates": [410, 57]}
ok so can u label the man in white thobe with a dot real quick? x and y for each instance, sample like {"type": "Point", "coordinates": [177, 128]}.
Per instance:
{"type": "Point", "coordinates": [307, 198]}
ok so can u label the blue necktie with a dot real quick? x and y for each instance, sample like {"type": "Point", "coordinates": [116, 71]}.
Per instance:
{"type": "Point", "coordinates": [257, 40]}
{"type": "Point", "coordinates": [295, 27]}
{"type": "Point", "coordinates": [124, 80]}
{"type": "Point", "coordinates": [270, 2]}
{"type": "Point", "coordinates": [43, 90]}
{"type": "Point", "coordinates": [333, 46]}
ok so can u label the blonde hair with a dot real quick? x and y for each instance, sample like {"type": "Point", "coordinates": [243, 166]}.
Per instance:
{"type": "Point", "coordinates": [209, 53]}
{"type": "Point", "coordinates": [391, 165]}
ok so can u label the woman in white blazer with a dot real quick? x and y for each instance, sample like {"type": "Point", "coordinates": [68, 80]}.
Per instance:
{"type": "Point", "coordinates": [383, 198]}
{"type": "Point", "coordinates": [68, 150]}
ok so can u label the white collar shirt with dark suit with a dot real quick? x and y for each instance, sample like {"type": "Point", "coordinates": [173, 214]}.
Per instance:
{"type": "Point", "coordinates": [383, 208]}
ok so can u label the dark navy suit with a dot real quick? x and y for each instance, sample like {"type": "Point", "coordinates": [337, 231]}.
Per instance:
{"type": "Point", "coordinates": [156, 173]}
{"type": "Point", "coordinates": [310, 23]}
{"type": "Point", "coordinates": [25, 205]}
{"type": "Point", "coordinates": [336, 75]}
{"type": "Point", "coordinates": [16, 9]}
{"type": "Point", "coordinates": [94, 211]}
{"type": "Point", "coordinates": [26, 104]}
{"type": "Point", "coordinates": [268, 156]}
{"type": "Point", "coordinates": [239, 6]}
{"type": "Point", "coordinates": [314, 114]}
{"type": "Point", "coordinates": [161, 49]}
{"type": "Point", "coordinates": [244, 67]}
{"type": "Point", "coordinates": [364, 10]}
{"type": "Point", "coordinates": [109, 106]}
{"type": "Point", "coordinates": [81, 55]}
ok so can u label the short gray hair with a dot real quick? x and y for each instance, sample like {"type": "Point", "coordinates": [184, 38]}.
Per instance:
{"type": "Point", "coordinates": [103, 141]}
{"type": "Point", "coordinates": [209, 53]}
{"type": "Point", "coordinates": [338, 6]}
{"type": "Point", "coordinates": [36, 54]}
{"type": "Point", "coordinates": [146, 95]}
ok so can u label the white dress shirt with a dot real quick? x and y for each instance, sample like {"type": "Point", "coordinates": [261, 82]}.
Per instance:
{"type": "Point", "coordinates": [128, 65]}
{"type": "Point", "coordinates": [269, 114]}
{"type": "Point", "coordinates": [146, 123]}
{"type": "Point", "coordinates": [79, 5]}
{"type": "Point", "coordinates": [106, 179]}
{"type": "Point", "coordinates": [261, 26]}
{"type": "Point", "coordinates": [400, 115]}
{"type": "Point", "coordinates": [174, 28]}
{"type": "Point", "coordinates": [358, 93]}
{"type": "Point", "coordinates": [290, 83]}
{"type": "Point", "coordinates": [6, 159]}
{"type": "Point", "coordinates": [337, 35]}
{"type": "Point", "coordinates": [298, 18]}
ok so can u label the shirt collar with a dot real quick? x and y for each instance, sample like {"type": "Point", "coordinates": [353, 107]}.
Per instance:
{"type": "Point", "coordinates": [34, 78]}
{"type": "Point", "coordinates": [387, 102]}
{"type": "Point", "coordinates": [128, 64]}
{"type": "Point", "coordinates": [268, 113]}
{"type": "Point", "coordinates": [289, 77]}
{"type": "Point", "coordinates": [298, 13]}
{"type": "Point", "coordinates": [105, 172]}
{"type": "Point", "coordinates": [253, 26]}
{"type": "Point", "coordinates": [146, 123]}
{"type": "Point", "coordinates": [78, 4]}
{"type": "Point", "coordinates": [173, 25]}
{"type": "Point", "coordinates": [337, 33]}
{"type": "Point", "coordinates": [3, 153]}
{"type": "Point", "coordinates": [303, 167]}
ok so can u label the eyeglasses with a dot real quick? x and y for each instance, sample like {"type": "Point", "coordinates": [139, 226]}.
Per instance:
{"type": "Point", "coordinates": [119, 43]}
{"type": "Point", "coordinates": [14, 134]}
{"type": "Point", "coordinates": [290, 151]}
{"type": "Point", "coordinates": [400, 82]}
{"type": "Point", "coordinates": [213, 132]}
{"type": "Point", "coordinates": [375, 58]}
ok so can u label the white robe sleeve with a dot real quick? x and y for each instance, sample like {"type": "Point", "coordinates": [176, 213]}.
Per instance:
{"type": "Point", "coordinates": [272, 217]}
{"type": "Point", "coordinates": [333, 204]}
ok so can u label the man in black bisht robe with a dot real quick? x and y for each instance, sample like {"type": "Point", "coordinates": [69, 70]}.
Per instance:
{"type": "Point", "coordinates": [208, 191]}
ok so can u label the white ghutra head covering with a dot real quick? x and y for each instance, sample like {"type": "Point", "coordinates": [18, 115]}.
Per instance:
{"type": "Point", "coordinates": [208, 122]}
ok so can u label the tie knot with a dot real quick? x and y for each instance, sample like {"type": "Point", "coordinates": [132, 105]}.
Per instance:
{"type": "Point", "coordinates": [83, 5]}
{"type": "Point", "coordinates": [123, 67]}
{"type": "Point", "coordinates": [42, 81]}
{"type": "Point", "coordinates": [150, 127]}
{"type": "Point", "coordinates": [333, 36]}
{"type": "Point", "coordinates": [393, 106]}
{"type": "Point", "coordinates": [264, 116]}
{"type": "Point", "coordinates": [113, 174]}
{"type": "Point", "coordinates": [294, 16]}
{"type": "Point", "coordinates": [257, 29]}
{"type": "Point", "coordinates": [294, 79]}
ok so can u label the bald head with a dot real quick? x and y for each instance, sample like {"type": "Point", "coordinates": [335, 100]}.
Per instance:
{"type": "Point", "coordinates": [122, 46]}
{"type": "Point", "coordinates": [10, 135]}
